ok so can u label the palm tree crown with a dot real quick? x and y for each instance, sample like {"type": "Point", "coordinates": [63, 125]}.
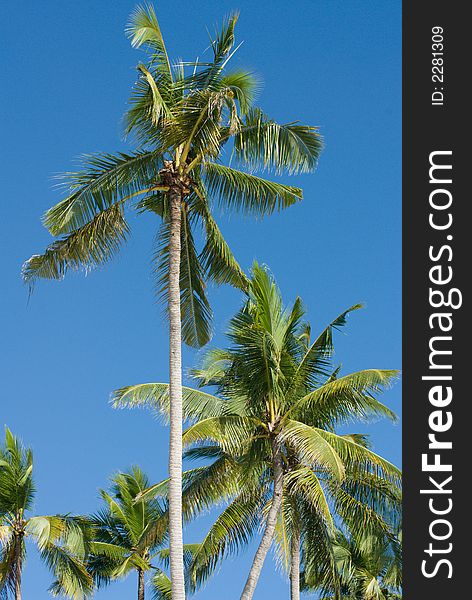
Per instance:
{"type": "Point", "coordinates": [128, 535]}
{"type": "Point", "coordinates": [369, 567]}
{"type": "Point", "coordinates": [61, 539]}
{"type": "Point", "coordinates": [270, 432]}
{"type": "Point", "coordinates": [183, 117]}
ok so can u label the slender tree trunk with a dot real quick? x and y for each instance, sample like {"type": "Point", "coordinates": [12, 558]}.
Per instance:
{"type": "Point", "coordinates": [140, 584]}
{"type": "Point", "coordinates": [269, 530]}
{"type": "Point", "coordinates": [295, 566]}
{"type": "Point", "coordinates": [18, 565]}
{"type": "Point", "coordinates": [175, 394]}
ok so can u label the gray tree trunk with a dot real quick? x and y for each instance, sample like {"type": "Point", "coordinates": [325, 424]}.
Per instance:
{"type": "Point", "coordinates": [175, 395]}
{"type": "Point", "coordinates": [271, 523]}
{"type": "Point", "coordinates": [295, 566]}
{"type": "Point", "coordinates": [140, 584]}
{"type": "Point", "coordinates": [18, 565]}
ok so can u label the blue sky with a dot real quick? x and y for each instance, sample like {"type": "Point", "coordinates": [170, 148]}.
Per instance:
{"type": "Point", "coordinates": [68, 68]}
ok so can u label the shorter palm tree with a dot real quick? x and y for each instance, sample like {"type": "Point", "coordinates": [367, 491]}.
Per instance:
{"type": "Point", "coordinates": [270, 432]}
{"type": "Point", "coordinates": [129, 535]}
{"type": "Point", "coordinates": [369, 567]}
{"type": "Point", "coordinates": [61, 539]}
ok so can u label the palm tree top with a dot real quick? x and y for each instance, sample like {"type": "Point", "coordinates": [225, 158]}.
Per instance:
{"type": "Point", "coordinates": [60, 539]}
{"type": "Point", "coordinates": [276, 387]}
{"type": "Point", "coordinates": [196, 133]}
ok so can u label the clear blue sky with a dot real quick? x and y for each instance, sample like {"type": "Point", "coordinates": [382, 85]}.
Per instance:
{"type": "Point", "coordinates": [67, 70]}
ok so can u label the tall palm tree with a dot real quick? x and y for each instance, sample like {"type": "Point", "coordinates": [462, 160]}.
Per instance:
{"type": "Point", "coordinates": [129, 535]}
{"type": "Point", "coordinates": [61, 539]}
{"type": "Point", "coordinates": [270, 428]}
{"type": "Point", "coordinates": [368, 566]}
{"type": "Point", "coordinates": [183, 117]}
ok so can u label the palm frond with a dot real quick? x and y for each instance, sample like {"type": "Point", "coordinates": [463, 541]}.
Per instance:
{"type": "Point", "coordinates": [160, 586]}
{"type": "Point", "coordinates": [302, 480]}
{"type": "Point", "coordinates": [263, 144]}
{"type": "Point", "coordinates": [313, 448]}
{"type": "Point", "coordinates": [232, 530]}
{"type": "Point", "coordinates": [361, 459]}
{"type": "Point", "coordinates": [196, 313]}
{"type": "Point", "coordinates": [143, 30]}
{"type": "Point", "coordinates": [196, 404]}
{"type": "Point", "coordinates": [216, 258]}
{"type": "Point", "coordinates": [94, 244]}
{"type": "Point", "coordinates": [347, 398]}
{"type": "Point", "coordinates": [232, 433]}
{"type": "Point", "coordinates": [104, 180]}
{"type": "Point", "coordinates": [247, 193]}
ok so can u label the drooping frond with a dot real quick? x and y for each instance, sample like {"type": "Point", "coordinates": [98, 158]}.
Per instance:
{"type": "Point", "coordinates": [263, 144]}
{"type": "Point", "coordinates": [302, 480]}
{"type": "Point", "coordinates": [358, 457]}
{"type": "Point", "coordinates": [195, 309]}
{"type": "Point", "coordinates": [63, 548]}
{"type": "Point", "coordinates": [143, 30]}
{"type": "Point", "coordinates": [247, 193]}
{"type": "Point", "coordinates": [216, 257]}
{"type": "Point", "coordinates": [209, 486]}
{"type": "Point", "coordinates": [232, 530]}
{"type": "Point", "coordinates": [7, 562]}
{"type": "Point", "coordinates": [160, 586]}
{"type": "Point", "coordinates": [94, 244]}
{"type": "Point", "coordinates": [104, 180]}
{"type": "Point", "coordinates": [346, 398]}
{"type": "Point", "coordinates": [232, 433]}
{"type": "Point", "coordinates": [312, 448]}
{"type": "Point", "coordinates": [196, 404]}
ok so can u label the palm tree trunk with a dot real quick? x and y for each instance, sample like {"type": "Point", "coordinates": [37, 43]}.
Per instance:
{"type": "Point", "coordinates": [271, 522]}
{"type": "Point", "coordinates": [175, 395]}
{"type": "Point", "coordinates": [140, 584]}
{"type": "Point", "coordinates": [18, 565]}
{"type": "Point", "coordinates": [295, 566]}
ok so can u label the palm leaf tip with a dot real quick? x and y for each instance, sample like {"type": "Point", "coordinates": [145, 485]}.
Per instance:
{"type": "Point", "coordinates": [143, 26]}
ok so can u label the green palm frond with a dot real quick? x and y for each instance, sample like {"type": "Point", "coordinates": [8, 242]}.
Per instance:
{"type": "Point", "coordinates": [232, 530]}
{"type": "Point", "coordinates": [264, 144]}
{"type": "Point", "coordinates": [302, 480]}
{"type": "Point", "coordinates": [104, 180]}
{"type": "Point", "coordinates": [347, 398]}
{"type": "Point", "coordinates": [7, 569]}
{"type": "Point", "coordinates": [17, 489]}
{"type": "Point", "coordinates": [158, 108]}
{"type": "Point", "coordinates": [143, 30]}
{"type": "Point", "coordinates": [92, 245]}
{"type": "Point", "coordinates": [209, 486]}
{"type": "Point", "coordinates": [160, 586]}
{"type": "Point", "coordinates": [206, 74]}
{"type": "Point", "coordinates": [216, 257]}
{"type": "Point", "coordinates": [247, 193]}
{"type": "Point", "coordinates": [65, 556]}
{"type": "Point", "coordinates": [313, 448]}
{"type": "Point", "coordinates": [196, 403]}
{"type": "Point", "coordinates": [232, 433]}
{"type": "Point", "coordinates": [196, 313]}
{"type": "Point", "coordinates": [244, 86]}
{"type": "Point", "coordinates": [361, 459]}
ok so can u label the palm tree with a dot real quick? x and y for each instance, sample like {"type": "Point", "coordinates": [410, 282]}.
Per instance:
{"type": "Point", "coordinates": [368, 566]}
{"type": "Point", "coordinates": [129, 534]}
{"type": "Point", "coordinates": [270, 430]}
{"type": "Point", "coordinates": [182, 121]}
{"type": "Point", "coordinates": [60, 539]}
